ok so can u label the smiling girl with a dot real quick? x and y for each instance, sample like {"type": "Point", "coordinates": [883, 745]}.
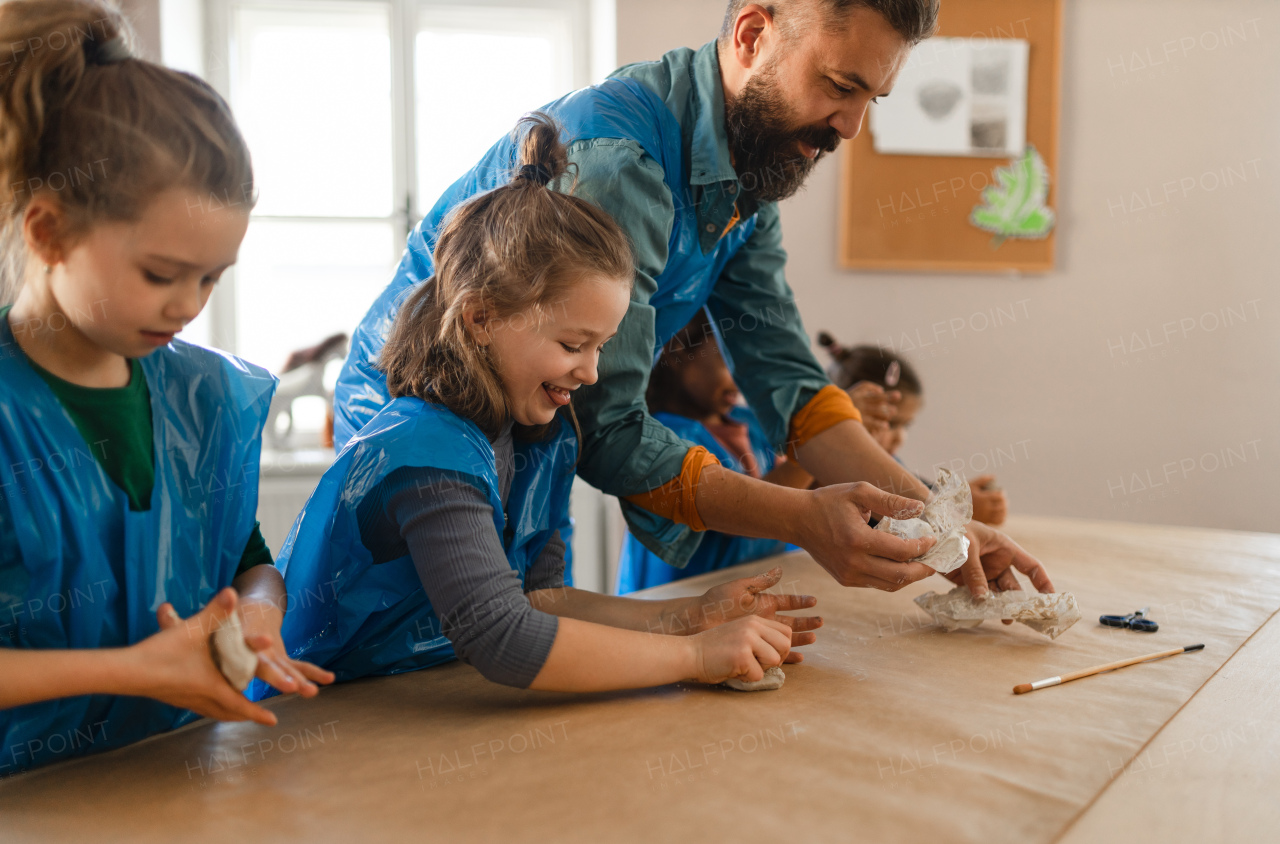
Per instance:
{"type": "Point", "coordinates": [127, 457]}
{"type": "Point", "coordinates": [440, 530]}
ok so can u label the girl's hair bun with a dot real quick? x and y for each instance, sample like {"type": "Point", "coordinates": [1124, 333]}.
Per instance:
{"type": "Point", "coordinates": [516, 250]}
{"type": "Point", "coordinates": [544, 157]}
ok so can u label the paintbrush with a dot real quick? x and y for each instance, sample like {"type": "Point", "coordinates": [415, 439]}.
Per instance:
{"type": "Point", "coordinates": [1023, 688]}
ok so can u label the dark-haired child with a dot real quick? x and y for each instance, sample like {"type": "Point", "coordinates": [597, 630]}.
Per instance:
{"type": "Point", "coordinates": [691, 391]}
{"type": "Point", "coordinates": [888, 392]}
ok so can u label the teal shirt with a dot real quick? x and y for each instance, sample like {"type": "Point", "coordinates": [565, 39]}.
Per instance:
{"type": "Point", "coordinates": [627, 451]}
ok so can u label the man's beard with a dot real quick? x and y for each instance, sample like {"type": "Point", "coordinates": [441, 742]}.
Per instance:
{"type": "Point", "coordinates": [766, 145]}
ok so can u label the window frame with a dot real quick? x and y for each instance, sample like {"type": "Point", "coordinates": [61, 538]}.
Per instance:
{"type": "Point", "coordinates": [594, 52]}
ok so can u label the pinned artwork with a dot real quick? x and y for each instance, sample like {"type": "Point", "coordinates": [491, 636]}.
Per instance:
{"type": "Point", "coordinates": [957, 96]}
{"type": "Point", "coordinates": [1014, 206]}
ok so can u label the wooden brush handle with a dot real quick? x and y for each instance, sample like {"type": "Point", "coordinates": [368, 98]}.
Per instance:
{"type": "Point", "coordinates": [1023, 688]}
{"type": "Point", "coordinates": [1120, 663]}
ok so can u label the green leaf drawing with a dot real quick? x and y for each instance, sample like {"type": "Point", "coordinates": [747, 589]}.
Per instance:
{"type": "Point", "coordinates": [1014, 205]}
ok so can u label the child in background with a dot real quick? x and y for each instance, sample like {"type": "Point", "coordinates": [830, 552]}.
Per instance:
{"type": "Point", "coordinates": [127, 458]}
{"type": "Point", "coordinates": [691, 391]}
{"type": "Point", "coordinates": [889, 409]}
{"type": "Point", "coordinates": [438, 531]}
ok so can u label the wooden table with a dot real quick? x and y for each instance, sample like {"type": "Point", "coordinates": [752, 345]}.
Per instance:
{"type": "Point", "coordinates": [889, 731]}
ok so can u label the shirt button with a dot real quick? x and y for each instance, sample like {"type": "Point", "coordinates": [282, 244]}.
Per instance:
{"type": "Point", "coordinates": [711, 227]}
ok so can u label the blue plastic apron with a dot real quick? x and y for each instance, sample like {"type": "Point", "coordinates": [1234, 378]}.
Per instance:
{"type": "Point", "coordinates": [357, 618]}
{"type": "Point", "coordinates": [617, 108]}
{"type": "Point", "coordinates": [79, 569]}
{"type": "Point", "coordinates": [640, 568]}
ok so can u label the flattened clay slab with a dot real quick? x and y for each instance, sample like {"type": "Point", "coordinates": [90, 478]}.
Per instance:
{"type": "Point", "coordinates": [1050, 614]}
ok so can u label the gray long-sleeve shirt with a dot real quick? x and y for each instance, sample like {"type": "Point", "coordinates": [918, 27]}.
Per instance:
{"type": "Point", "coordinates": [446, 525]}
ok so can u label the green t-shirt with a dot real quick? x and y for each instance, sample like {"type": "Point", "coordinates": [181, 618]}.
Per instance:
{"type": "Point", "coordinates": [116, 424]}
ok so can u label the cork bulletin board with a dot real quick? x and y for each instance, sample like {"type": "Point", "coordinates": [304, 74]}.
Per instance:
{"type": "Point", "coordinates": [911, 212]}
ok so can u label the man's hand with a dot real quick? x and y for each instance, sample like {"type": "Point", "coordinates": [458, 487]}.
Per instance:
{"type": "Point", "coordinates": [992, 559]}
{"type": "Point", "coordinates": [877, 407]}
{"type": "Point", "coordinates": [746, 596]}
{"type": "Point", "coordinates": [837, 536]}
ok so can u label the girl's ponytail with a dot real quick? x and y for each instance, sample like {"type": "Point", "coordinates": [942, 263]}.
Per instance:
{"type": "Point", "coordinates": [543, 156]}
{"type": "Point", "coordinates": [45, 50]}
{"type": "Point", "coordinates": [517, 249]}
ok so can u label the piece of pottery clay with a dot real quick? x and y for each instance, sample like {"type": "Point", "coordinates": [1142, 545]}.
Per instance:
{"type": "Point", "coordinates": [945, 517]}
{"type": "Point", "coordinates": [233, 656]}
{"type": "Point", "coordinates": [773, 679]}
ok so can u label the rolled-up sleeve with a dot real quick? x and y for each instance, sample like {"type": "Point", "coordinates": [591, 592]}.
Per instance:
{"type": "Point", "coordinates": [756, 313]}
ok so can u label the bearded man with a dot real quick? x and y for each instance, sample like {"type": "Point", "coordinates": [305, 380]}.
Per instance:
{"type": "Point", "coordinates": [691, 154]}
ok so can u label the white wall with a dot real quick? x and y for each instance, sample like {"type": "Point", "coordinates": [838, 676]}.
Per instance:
{"type": "Point", "coordinates": [145, 17]}
{"type": "Point", "coordinates": [1083, 420]}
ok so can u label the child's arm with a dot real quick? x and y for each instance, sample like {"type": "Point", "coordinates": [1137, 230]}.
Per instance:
{"type": "Point", "coordinates": [483, 610]}
{"type": "Point", "coordinates": [590, 657]}
{"type": "Point", "coordinates": [173, 666]}
{"type": "Point", "coordinates": [989, 502]}
{"type": "Point", "coordinates": [262, 605]}
{"type": "Point", "coordinates": [687, 616]}
{"type": "Point", "coordinates": [789, 473]}
{"type": "Point", "coordinates": [34, 675]}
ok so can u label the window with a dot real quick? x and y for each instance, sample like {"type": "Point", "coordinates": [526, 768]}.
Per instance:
{"type": "Point", "coordinates": [359, 113]}
{"type": "Point", "coordinates": [460, 115]}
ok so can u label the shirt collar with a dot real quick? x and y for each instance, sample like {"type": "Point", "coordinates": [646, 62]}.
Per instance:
{"type": "Point", "coordinates": [709, 160]}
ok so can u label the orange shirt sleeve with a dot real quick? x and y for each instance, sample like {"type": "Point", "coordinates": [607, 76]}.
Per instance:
{"type": "Point", "coordinates": [676, 499]}
{"type": "Point", "coordinates": [828, 408]}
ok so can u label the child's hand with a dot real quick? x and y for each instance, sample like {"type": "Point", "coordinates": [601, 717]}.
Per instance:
{"type": "Point", "coordinates": [262, 621]}
{"type": "Point", "coordinates": [878, 408]}
{"type": "Point", "coordinates": [746, 597]}
{"type": "Point", "coordinates": [990, 506]}
{"type": "Point", "coordinates": [175, 666]}
{"type": "Point", "coordinates": [743, 648]}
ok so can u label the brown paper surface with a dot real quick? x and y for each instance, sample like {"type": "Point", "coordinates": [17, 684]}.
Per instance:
{"type": "Point", "coordinates": [889, 731]}
{"type": "Point", "coordinates": [1211, 773]}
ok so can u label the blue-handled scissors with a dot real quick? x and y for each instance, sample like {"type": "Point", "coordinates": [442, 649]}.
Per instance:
{"type": "Point", "coordinates": [1133, 621]}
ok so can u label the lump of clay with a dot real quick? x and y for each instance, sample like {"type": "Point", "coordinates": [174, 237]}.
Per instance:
{"type": "Point", "coordinates": [233, 656]}
{"type": "Point", "coordinates": [1049, 614]}
{"type": "Point", "coordinates": [944, 517]}
{"type": "Point", "coordinates": [773, 679]}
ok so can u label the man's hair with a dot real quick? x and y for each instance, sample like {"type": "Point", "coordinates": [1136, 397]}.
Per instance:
{"type": "Point", "coordinates": [914, 20]}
